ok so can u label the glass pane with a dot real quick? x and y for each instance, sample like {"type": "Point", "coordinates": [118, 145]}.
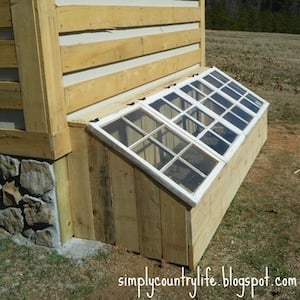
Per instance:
{"type": "Point", "coordinates": [224, 132]}
{"type": "Point", "coordinates": [214, 107]}
{"type": "Point", "coordinates": [184, 176]}
{"type": "Point", "coordinates": [238, 111]}
{"type": "Point", "coordinates": [235, 121]}
{"type": "Point", "coordinates": [202, 87]}
{"type": "Point", "coordinates": [221, 100]}
{"type": "Point", "coordinates": [152, 153]}
{"type": "Point", "coordinates": [193, 93]}
{"type": "Point", "coordinates": [142, 120]}
{"type": "Point", "coordinates": [220, 76]}
{"type": "Point", "coordinates": [171, 140]}
{"type": "Point", "coordinates": [200, 116]}
{"type": "Point", "coordinates": [213, 81]}
{"type": "Point", "coordinates": [178, 101]}
{"type": "Point", "coordinates": [215, 143]}
{"type": "Point", "coordinates": [199, 159]}
{"type": "Point", "coordinates": [250, 105]}
{"type": "Point", "coordinates": [237, 88]}
{"type": "Point", "coordinates": [123, 132]}
{"type": "Point", "coordinates": [189, 125]}
{"type": "Point", "coordinates": [254, 100]}
{"type": "Point", "coordinates": [231, 93]}
{"type": "Point", "coordinates": [164, 108]}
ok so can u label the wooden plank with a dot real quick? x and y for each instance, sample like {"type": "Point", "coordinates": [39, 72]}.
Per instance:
{"type": "Point", "coordinates": [17, 142]}
{"type": "Point", "coordinates": [89, 55]}
{"type": "Point", "coordinates": [208, 214]}
{"type": "Point", "coordinates": [92, 91]}
{"type": "Point", "coordinates": [5, 17]}
{"type": "Point", "coordinates": [10, 95]}
{"type": "Point", "coordinates": [101, 191]}
{"type": "Point", "coordinates": [149, 220]}
{"type": "Point", "coordinates": [8, 58]}
{"type": "Point", "coordinates": [81, 205]}
{"type": "Point", "coordinates": [124, 202]}
{"type": "Point", "coordinates": [202, 29]}
{"type": "Point", "coordinates": [106, 17]}
{"type": "Point", "coordinates": [63, 199]}
{"type": "Point", "coordinates": [174, 230]}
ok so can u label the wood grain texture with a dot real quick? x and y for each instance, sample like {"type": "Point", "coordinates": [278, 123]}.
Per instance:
{"type": "Point", "coordinates": [8, 58]}
{"type": "Point", "coordinates": [10, 95]}
{"type": "Point", "coordinates": [5, 17]}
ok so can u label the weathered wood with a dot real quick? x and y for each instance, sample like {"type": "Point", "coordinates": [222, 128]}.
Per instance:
{"type": "Point", "coordinates": [63, 199]}
{"type": "Point", "coordinates": [101, 191]}
{"type": "Point", "coordinates": [89, 55]}
{"type": "Point", "coordinates": [5, 17]}
{"type": "Point", "coordinates": [124, 202]}
{"type": "Point", "coordinates": [149, 219]}
{"type": "Point", "coordinates": [82, 210]}
{"type": "Point", "coordinates": [174, 230]}
{"type": "Point", "coordinates": [106, 17]}
{"type": "Point", "coordinates": [8, 57]}
{"type": "Point", "coordinates": [10, 95]}
{"type": "Point", "coordinates": [207, 215]}
{"type": "Point", "coordinates": [92, 91]}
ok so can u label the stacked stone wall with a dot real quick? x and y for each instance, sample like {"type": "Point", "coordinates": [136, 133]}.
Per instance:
{"type": "Point", "coordinates": [28, 200]}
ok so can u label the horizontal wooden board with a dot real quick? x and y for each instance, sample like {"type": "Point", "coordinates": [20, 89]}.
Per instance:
{"type": "Point", "coordinates": [89, 55]}
{"type": "Point", "coordinates": [92, 91]}
{"type": "Point", "coordinates": [10, 95]}
{"type": "Point", "coordinates": [8, 58]}
{"type": "Point", "coordinates": [106, 17]}
{"type": "Point", "coordinates": [5, 18]}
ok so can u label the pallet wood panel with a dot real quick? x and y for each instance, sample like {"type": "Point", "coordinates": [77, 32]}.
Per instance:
{"type": "Point", "coordinates": [89, 55]}
{"type": "Point", "coordinates": [10, 95]}
{"type": "Point", "coordinates": [104, 224]}
{"type": "Point", "coordinates": [109, 17]}
{"type": "Point", "coordinates": [207, 215]}
{"type": "Point", "coordinates": [82, 210]}
{"type": "Point", "coordinates": [8, 57]}
{"type": "Point", "coordinates": [124, 203]}
{"type": "Point", "coordinates": [5, 17]}
{"type": "Point", "coordinates": [92, 91]}
{"type": "Point", "coordinates": [174, 230]}
{"type": "Point", "coordinates": [149, 217]}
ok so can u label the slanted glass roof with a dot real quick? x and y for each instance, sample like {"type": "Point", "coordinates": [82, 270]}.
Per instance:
{"type": "Point", "coordinates": [185, 134]}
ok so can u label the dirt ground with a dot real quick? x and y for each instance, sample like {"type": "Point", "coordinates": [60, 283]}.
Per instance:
{"type": "Point", "coordinates": [260, 231]}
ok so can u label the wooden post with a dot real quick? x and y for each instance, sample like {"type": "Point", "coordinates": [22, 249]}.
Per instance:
{"type": "Point", "coordinates": [202, 28]}
{"type": "Point", "coordinates": [40, 69]}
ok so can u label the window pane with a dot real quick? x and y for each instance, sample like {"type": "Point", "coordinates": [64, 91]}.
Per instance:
{"type": "Point", "coordinates": [199, 159]}
{"type": "Point", "coordinates": [142, 120]}
{"type": "Point", "coordinates": [237, 88]}
{"type": "Point", "coordinates": [213, 81]}
{"type": "Point", "coordinates": [224, 132]}
{"type": "Point", "coordinates": [220, 76]}
{"type": "Point", "coordinates": [184, 176]}
{"type": "Point", "coordinates": [250, 105]}
{"type": "Point", "coordinates": [165, 109]}
{"type": "Point", "coordinates": [178, 101]}
{"type": "Point", "coordinates": [254, 100]}
{"type": "Point", "coordinates": [152, 153]}
{"type": "Point", "coordinates": [214, 107]}
{"type": "Point", "coordinates": [193, 93]}
{"type": "Point", "coordinates": [215, 143]}
{"type": "Point", "coordinates": [235, 121]}
{"type": "Point", "coordinates": [202, 87]}
{"type": "Point", "coordinates": [200, 116]}
{"type": "Point", "coordinates": [231, 93]}
{"type": "Point", "coordinates": [189, 125]}
{"type": "Point", "coordinates": [171, 140]}
{"type": "Point", "coordinates": [221, 100]}
{"type": "Point", "coordinates": [123, 132]}
{"type": "Point", "coordinates": [238, 111]}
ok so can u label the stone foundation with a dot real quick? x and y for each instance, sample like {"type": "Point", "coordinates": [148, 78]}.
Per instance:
{"type": "Point", "coordinates": [28, 200]}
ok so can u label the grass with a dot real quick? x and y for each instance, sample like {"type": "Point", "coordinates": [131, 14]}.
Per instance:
{"type": "Point", "coordinates": [260, 229]}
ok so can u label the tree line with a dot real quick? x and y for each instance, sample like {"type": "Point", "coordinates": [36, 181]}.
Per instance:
{"type": "Point", "coordinates": [254, 15]}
